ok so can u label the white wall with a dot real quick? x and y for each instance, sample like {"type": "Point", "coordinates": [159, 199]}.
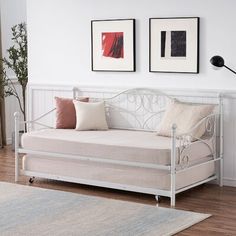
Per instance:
{"type": "Point", "coordinates": [12, 12]}
{"type": "Point", "coordinates": [59, 41]}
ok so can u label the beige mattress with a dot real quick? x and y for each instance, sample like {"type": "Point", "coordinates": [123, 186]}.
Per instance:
{"type": "Point", "coordinates": [138, 146]}
{"type": "Point", "coordinates": [139, 177]}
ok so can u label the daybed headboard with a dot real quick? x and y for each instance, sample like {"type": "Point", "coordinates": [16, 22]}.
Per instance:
{"type": "Point", "coordinates": [139, 109]}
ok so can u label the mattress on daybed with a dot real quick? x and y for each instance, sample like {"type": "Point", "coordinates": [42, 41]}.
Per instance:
{"type": "Point", "coordinates": [127, 145]}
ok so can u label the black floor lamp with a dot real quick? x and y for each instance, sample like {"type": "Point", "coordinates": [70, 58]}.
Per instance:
{"type": "Point", "coordinates": [218, 61]}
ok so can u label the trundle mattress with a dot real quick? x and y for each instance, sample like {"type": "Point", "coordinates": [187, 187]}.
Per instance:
{"type": "Point", "coordinates": [118, 174]}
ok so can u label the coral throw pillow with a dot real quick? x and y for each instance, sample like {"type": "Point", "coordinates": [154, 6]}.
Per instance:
{"type": "Point", "coordinates": [65, 112]}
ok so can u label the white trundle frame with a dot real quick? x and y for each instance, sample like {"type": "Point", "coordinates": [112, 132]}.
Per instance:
{"type": "Point", "coordinates": [142, 106]}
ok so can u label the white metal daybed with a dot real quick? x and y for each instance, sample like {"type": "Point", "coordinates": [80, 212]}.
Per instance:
{"type": "Point", "coordinates": [129, 156]}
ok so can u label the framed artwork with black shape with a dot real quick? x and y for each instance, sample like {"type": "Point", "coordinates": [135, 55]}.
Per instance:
{"type": "Point", "coordinates": [174, 45]}
{"type": "Point", "coordinates": [113, 45]}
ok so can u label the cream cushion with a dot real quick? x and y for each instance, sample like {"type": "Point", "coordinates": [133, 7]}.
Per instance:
{"type": "Point", "coordinates": [185, 116]}
{"type": "Point", "coordinates": [90, 116]}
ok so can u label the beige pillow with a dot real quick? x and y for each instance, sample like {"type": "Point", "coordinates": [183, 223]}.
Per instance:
{"type": "Point", "coordinates": [90, 116]}
{"type": "Point", "coordinates": [185, 116]}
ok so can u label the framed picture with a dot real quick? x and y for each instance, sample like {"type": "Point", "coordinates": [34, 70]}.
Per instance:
{"type": "Point", "coordinates": [174, 45]}
{"type": "Point", "coordinates": [113, 45]}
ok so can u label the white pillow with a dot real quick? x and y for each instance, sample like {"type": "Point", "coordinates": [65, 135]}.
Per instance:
{"type": "Point", "coordinates": [90, 116]}
{"type": "Point", "coordinates": [185, 116]}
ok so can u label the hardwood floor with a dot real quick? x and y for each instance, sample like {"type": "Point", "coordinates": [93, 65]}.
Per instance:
{"type": "Point", "coordinates": [211, 199]}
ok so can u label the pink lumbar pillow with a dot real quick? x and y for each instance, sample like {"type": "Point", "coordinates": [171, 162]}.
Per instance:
{"type": "Point", "coordinates": [65, 112]}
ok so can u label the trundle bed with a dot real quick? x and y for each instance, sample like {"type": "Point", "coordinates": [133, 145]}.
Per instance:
{"type": "Point", "coordinates": [129, 155]}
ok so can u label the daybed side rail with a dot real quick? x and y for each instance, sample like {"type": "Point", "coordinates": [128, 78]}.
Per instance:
{"type": "Point", "coordinates": [17, 123]}
{"type": "Point", "coordinates": [36, 121]}
{"type": "Point", "coordinates": [94, 159]}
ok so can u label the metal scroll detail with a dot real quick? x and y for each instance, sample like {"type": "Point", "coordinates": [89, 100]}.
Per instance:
{"type": "Point", "coordinates": [208, 140]}
{"type": "Point", "coordinates": [136, 109]}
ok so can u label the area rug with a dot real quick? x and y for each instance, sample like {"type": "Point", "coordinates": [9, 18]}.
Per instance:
{"type": "Point", "coordinates": [26, 210]}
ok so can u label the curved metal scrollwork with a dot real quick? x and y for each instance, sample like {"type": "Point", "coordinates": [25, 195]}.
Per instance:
{"type": "Point", "coordinates": [208, 139]}
{"type": "Point", "coordinates": [142, 106]}
{"type": "Point", "coordinates": [184, 161]}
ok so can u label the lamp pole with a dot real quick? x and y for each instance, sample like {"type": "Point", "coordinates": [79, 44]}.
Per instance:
{"type": "Point", "coordinates": [230, 69]}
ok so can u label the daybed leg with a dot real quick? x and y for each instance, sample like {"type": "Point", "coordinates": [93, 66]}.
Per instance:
{"type": "Point", "coordinates": [221, 172]}
{"type": "Point", "coordinates": [31, 179]}
{"type": "Point", "coordinates": [158, 199]}
{"type": "Point", "coordinates": [16, 166]}
{"type": "Point", "coordinates": [17, 116]}
{"type": "Point", "coordinates": [172, 201]}
{"type": "Point", "coordinates": [221, 141]}
{"type": "Point", "coordinates": [172, 169]}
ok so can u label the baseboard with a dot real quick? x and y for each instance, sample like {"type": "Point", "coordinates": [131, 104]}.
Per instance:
{"type": "Point", "coordinates": [229, 182]}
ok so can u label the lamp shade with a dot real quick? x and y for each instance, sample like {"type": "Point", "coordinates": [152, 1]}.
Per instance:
{"type": "Point", "coordinates": [217, 61]}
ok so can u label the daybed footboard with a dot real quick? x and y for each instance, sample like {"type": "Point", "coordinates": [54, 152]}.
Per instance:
{"type": "Point", "coordinates": [185, 148]}
{"type": "Point", "coordinates": [168, 175]}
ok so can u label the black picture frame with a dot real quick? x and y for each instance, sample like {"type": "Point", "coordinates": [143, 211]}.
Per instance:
{"type": "Point", "coordinates": [113, 45]}
{"type": "Point", "coordinates": [174, 45]}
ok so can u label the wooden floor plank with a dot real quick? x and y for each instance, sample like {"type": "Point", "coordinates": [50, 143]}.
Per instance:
{"type": "Point", "coordinates": [207, 198]}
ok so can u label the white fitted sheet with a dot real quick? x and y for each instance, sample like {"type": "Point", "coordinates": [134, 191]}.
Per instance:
{"type": "Point", "coordinates": [126, 145]}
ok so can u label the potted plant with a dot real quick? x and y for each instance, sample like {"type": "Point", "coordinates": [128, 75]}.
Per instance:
{"type": "Point", "coordinates": [17, 62]}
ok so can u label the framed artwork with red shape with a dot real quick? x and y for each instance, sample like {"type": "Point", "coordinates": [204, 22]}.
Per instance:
{"type": "Point", "coordinates": [113, 45]}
